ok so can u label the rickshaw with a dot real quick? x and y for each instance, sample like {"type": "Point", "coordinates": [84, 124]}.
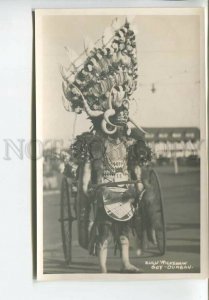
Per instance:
{"type": "Point", "coordinates": [69, 209]}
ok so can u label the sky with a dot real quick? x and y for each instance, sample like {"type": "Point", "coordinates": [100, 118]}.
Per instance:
{"type": "Point", "coordinates": [168, 56]}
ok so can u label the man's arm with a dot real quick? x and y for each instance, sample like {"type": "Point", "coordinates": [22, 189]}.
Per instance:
{"type": "Point", "coordinates": [86, 177]}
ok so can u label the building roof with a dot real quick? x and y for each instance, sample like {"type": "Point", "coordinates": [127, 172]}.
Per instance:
{"type": "Point", "coordinates": [167, 133]}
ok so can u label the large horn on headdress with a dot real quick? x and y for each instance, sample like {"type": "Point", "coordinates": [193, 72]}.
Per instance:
{"type": "Point", "coordinates": [110, 111]}
{"type": "Point", "coordinates": [104, 128]}
{"type": "Point", "coordinates": [89, 111]}
{"type": "Point", "coordinates": [140, 128]}
{"type": "Point", "coordinates": [109, 99]}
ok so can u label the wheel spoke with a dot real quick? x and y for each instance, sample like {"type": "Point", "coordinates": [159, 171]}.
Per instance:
{"type": "Point", "coordinates": [159, 211]}
{"type": "Point", "coordinates": [66, 220]}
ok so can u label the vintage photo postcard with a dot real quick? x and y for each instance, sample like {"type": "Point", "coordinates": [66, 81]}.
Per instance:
{"type": "Point", "coordinates": [121, 144]}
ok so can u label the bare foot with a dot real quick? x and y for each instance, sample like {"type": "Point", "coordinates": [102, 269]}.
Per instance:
{"type": "Point", "coordinates": [154, 238]}
{"type": "Point", "coordinates": [103, 269]}
{"type": "Point", "coordinates": [129, 268]}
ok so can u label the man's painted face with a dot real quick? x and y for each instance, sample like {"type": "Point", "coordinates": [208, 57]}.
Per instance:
{"type": "Point", "coordinates": [121, 116]}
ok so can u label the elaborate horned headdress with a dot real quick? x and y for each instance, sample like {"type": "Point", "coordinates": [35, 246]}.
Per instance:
{"type": "Point", "coordinates": [103, 84]}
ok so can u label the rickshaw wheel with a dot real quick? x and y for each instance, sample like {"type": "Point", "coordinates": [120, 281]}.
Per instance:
{"type": "Point", "coordinates": [159, 213]}
{"type": "Point", "coordinates": [66, 220]}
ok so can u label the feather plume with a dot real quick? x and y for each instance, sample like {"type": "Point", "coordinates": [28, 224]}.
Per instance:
{"type": "Point", "coordinates": [130, 19]}
{"type": "Point", "coordinates": [107, 35]}
{"type": "Point", "coordinates": [72, 55]}
{"type": "Point", "coordinates": [116, 24]}
{"type": "Point", "coordinates": [135, 29]}
{"type": "Point", "coordinates": [88, 46]}
{"type": "Point", "coordinates": [66, 104]}
{"type": "Point", "coordinates": [67, 73]}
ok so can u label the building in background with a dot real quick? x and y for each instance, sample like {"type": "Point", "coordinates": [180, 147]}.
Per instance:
{"type": "Point", "coordinates": [173, 143]}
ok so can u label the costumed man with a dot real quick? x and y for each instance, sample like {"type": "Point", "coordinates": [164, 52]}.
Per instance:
{"type": "Point", "coordinates": [103, 89]}
{"type": "Point", "coordinates": [116, 204]}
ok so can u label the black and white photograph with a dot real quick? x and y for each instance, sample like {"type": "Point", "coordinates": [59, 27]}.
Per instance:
{"type": "Point", "coordinates": [121, 152]}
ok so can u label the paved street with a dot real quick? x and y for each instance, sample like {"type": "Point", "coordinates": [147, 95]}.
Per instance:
{"type": "Point", "coordinates": [181, 195]}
